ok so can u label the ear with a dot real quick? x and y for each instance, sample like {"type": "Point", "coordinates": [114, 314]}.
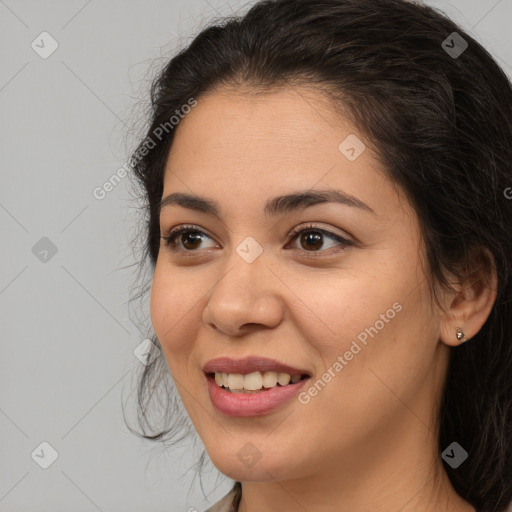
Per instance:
{"type": "Point", "coordinates": [471, 305]}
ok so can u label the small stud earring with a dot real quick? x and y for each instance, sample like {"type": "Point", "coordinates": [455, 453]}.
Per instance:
{"type": "Point", "coordinates": [460, 335]}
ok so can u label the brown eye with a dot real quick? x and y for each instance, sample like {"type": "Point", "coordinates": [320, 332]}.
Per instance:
{"type": "Point", "coordinates": [312, 240]}
{"type": "Point", "coordinates": [191, 240]}
{"type": "Point", "coordinates": [185, 239]}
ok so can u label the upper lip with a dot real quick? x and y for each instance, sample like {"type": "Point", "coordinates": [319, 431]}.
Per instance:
{"type": "Point", "coordinates": [250, 364]}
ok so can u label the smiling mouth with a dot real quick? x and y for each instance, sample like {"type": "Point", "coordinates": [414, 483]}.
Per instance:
{"type": "Point", "coordinates": [254, 382]}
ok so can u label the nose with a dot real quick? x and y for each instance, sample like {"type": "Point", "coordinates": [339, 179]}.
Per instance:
{"type": "Point", "coordinates": [247, 297]}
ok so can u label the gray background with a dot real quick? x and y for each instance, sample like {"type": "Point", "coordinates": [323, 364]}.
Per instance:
{"type": "Point", "coordinates": [67, 361]}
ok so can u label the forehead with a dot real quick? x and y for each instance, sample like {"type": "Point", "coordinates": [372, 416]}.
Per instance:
{"type": "Point", "coordinates": [258, 146]}
{"type": "Point", "coordinates": [282, 120]}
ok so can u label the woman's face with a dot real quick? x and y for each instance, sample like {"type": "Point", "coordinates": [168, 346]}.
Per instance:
{"type": "Point", "coordinates": [355, 316]}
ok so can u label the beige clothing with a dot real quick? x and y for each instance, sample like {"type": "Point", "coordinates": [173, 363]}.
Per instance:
{"type": "Point", "coordinates": [225, 504]}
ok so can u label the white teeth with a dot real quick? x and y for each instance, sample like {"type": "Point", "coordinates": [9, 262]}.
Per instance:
{"type": "Point", "coordinates": [284, 378]}
{"type": "Point", "coordinates": [235, 381]}
{"type": "Point", "coordinates": [254, 381]}
{"type": "Point", "coordinates": [269, 379]}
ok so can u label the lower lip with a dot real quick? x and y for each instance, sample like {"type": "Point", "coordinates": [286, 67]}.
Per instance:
{"type": "Point", "coordinates": [251, 404]}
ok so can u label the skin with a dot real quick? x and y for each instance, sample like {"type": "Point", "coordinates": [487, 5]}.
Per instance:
{"type": "Point", "coordinates": [368, 439]}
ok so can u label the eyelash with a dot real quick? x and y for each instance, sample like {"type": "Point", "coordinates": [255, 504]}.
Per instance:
{"type": "Point", "coordinates": [172, 234]}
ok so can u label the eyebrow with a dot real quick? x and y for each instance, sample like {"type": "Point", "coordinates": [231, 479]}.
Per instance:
{"type": "Point", "coordinates": [275, 206]}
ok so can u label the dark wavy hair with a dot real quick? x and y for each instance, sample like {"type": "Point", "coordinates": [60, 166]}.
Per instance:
{"type": "Point", "coordinates": [442, 126]}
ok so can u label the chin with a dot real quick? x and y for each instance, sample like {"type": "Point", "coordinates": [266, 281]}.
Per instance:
{"type": "Point", "coordinates": [250, 465]}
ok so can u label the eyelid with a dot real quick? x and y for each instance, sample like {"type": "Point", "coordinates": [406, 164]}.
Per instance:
{"type": "Point", "coordinates": [310, 226]}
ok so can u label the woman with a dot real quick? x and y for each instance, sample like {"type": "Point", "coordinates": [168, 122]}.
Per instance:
{"type": "Point", "coordinates": [328, 191]}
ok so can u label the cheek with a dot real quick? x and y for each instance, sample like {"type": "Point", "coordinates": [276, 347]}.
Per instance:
{"type": "Point", "coordinates": [171, 303]}
{"type": "Point", "coordinates": [357, 325]}
{"type": "Point", "coordinates": [336, 309]}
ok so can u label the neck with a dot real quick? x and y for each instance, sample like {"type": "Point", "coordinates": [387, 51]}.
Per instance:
{"type": "Point", "coordinates": [424, 496]}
